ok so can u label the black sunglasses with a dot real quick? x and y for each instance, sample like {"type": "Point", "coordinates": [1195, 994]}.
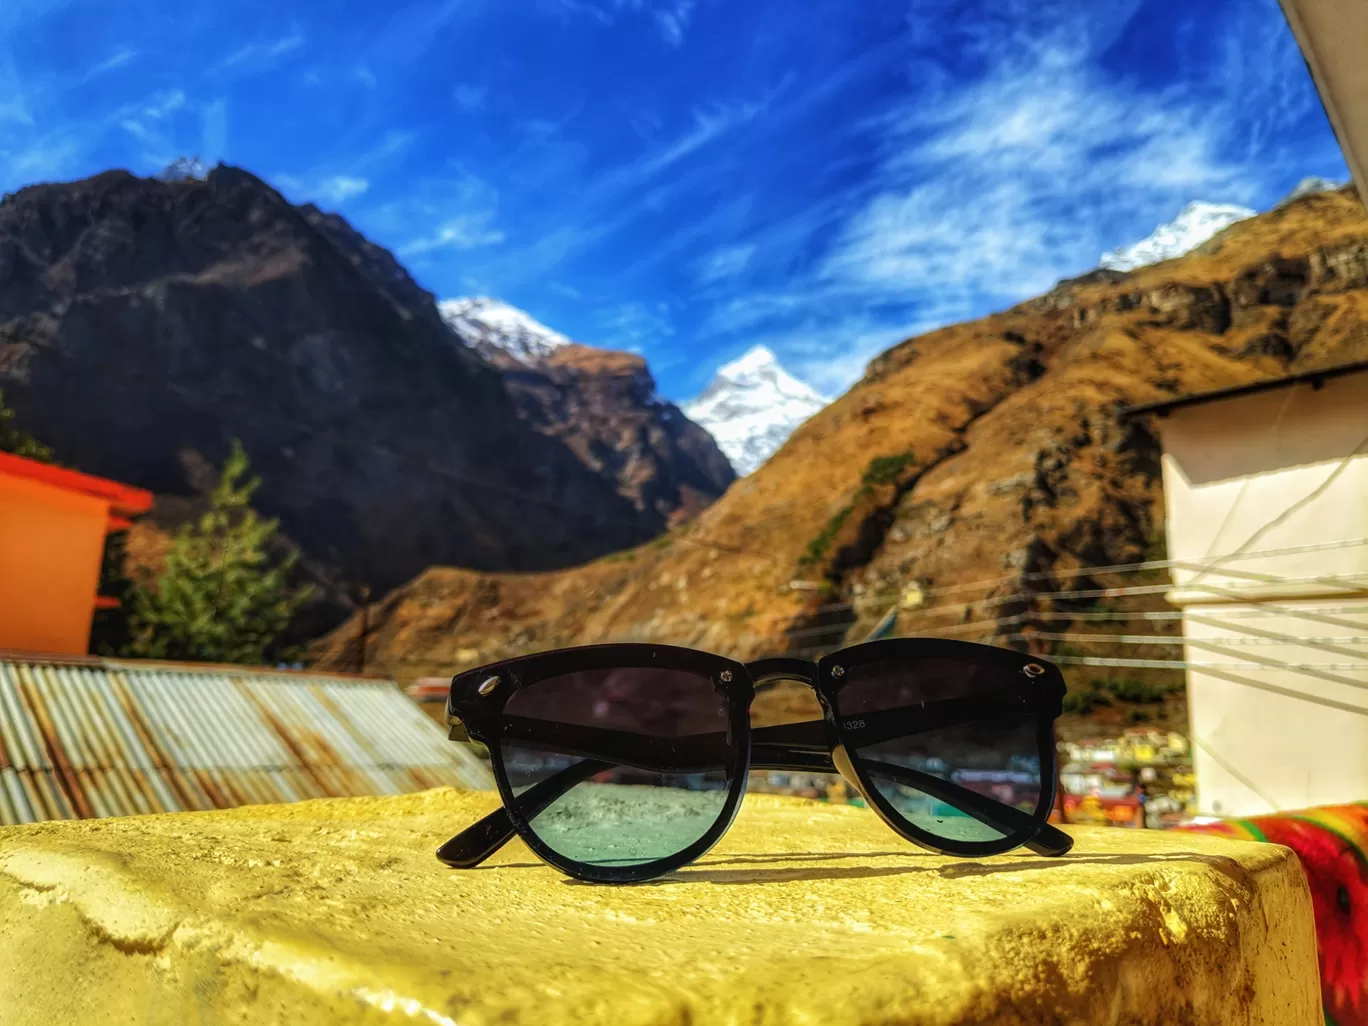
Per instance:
{"type": "Point", "coordinates": [619, 763]}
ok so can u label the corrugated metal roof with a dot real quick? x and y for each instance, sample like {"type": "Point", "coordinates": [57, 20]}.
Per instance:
{"type": "Point", "coordinates": [87, 737]}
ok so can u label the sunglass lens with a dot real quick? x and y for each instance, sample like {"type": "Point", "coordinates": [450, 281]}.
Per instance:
{"type": "Point", "coordinates": [945, 745]}
{"type": "Point", "coordinates": [619, 767]}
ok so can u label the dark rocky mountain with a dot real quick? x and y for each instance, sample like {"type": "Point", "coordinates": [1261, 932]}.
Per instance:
{"type": "Point", "coordinates": [146, 323]}
{"type": "Point", "coordinates": [602, 404]}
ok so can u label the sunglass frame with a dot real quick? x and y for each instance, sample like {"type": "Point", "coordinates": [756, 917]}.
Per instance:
{"type": "Point", "coordinates": [475, 708]}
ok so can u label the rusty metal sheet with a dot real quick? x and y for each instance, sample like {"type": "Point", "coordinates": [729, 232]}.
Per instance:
{"type": "Point", "coordinates": [89, 738]}
{"type": "Point", "coordinates": [36, 775]}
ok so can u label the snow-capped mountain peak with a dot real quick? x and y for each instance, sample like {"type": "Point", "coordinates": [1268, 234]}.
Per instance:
{"type": "Point", "coordinates": [1195, 224]}
{"type": "Point", "coordinates": [751, 406]}
{"type": "Point", "coordinates": [184, 169]}
{"type": "Point", "coordinates": [1307, 186]}
{"type": "Point", "coordinates": [480, 320]}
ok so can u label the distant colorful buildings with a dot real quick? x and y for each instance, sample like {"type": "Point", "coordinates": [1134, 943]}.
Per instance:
{"type": "Point", "coordinates": [1143, 778]}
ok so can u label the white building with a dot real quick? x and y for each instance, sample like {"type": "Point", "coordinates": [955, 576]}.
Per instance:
{"type": "Point", "coordinates": [1275, 643]}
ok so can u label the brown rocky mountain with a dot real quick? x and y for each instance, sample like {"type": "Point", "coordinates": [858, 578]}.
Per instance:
{"type": "Point", "coordinates": [989, 451]}
{"type": "Point", "coordinates": [144, 323]}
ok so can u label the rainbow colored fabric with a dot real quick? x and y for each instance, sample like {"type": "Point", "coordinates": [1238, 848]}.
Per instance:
{"type": "Point", "coordinates": [1332, 843]}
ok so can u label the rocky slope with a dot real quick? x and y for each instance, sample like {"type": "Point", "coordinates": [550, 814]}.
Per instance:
{"type": "Point", "coordinates": [603, 405]}
{"type": "Point", "coordinates": [984, 452]}
{"type": "Point", "coordinates": [751, 406]}
{"type": "Point", "coordinates": [144, 323]}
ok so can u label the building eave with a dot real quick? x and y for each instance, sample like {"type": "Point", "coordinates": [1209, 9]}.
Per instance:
{"type": "Point", "coordinates": [1314, 378]}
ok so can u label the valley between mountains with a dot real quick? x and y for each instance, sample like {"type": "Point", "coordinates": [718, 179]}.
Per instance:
{"type": "Point", "coordinates": [964, 463]}
{"type": "Point", "coordinates": [501, 488]}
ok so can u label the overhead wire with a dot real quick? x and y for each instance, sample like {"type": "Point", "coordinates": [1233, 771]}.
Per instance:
{"type": "Point", "coordinates": [993, 626]}
{"type": "Point", "coordinates": [1171, 640]}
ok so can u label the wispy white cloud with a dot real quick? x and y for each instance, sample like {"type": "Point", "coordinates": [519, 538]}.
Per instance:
{"type": "Point", "coordinates": [457, 213]}
{"type": "Point", "coordinates": [163, 104]}
{"type": "Point", "coordinates": [120, 58]}
{"type": "Point", "coordinates": [330, 189]}
{"type": "Point", "coordinates": [42, 141]}
{"type": "Point", "coordinates": [340, 188]}
{"type": "Point", "coordinates": [599, 12]}
{"type": "Point", "coordinates": [833, 355]}
{"type": "Point", "coordinates": [365, 76]}
{"type": "Point", "coordinates": [671, 17]}
{"type": "Point", "coordinates": [988, 187]}
{"type": "Point", "coordinates": [616, 198]}
{"type": "Point", "coordinates": [1005, 187]}
{"type": "Point", "coordinates": [465, 231]}
{"type": "Point", "coordinates": [725, 262]}
{"type": "Point", "coordinates": [45, 158]}
{"type": "Point", "coordinates": [830, 349]}
{"type": "Point", "coordinates": [337, 182]}
{"type": "Point", "coordinates": [672, 20]}
{"type": "Point", "coordinates": [709, 124]}
{"type": "Point", "coordinates": [633, 326]}
{"type": "Point", "coordinates": [259, 53]}
{"type": "Point", "coordinates": [414, 27]}
{"type": "Point", "coordinates": [152, 123]}
{"type": "Point", "coordinates": [391, 144]}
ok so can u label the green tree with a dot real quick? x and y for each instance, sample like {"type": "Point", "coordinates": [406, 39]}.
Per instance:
{"type": "Point", "coordinates": [221, 597]}
{"type": "Point", "coordinates": [15, 441]}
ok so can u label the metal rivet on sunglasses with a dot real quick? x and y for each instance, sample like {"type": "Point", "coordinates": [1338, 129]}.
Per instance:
{"type": "Point", "coordinates": [726, 676]}
{"type": "Point", "coordinates": [487, 685]}
{"type": "Point", "coordinates": [838, 671]}
{"type": "Point", "coordinates": [1033, 669]}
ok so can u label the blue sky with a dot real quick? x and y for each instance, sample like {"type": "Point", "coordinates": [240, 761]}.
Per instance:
{"type": "Point", "coordinates": [690, 177]}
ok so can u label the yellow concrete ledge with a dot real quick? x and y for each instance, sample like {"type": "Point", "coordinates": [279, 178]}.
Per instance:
{"type": "Point", "coordinates": [336, 912]}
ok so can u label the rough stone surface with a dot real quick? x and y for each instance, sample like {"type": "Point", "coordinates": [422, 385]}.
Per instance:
{"type": "Point", "coordinates": [336, 912]}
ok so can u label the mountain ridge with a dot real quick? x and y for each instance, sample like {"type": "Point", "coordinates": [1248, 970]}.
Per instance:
{"type": "Point", "coordinates": [986, 451]}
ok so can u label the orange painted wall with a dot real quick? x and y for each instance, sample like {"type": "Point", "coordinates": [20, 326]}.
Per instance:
{"type": "Point", "coordinates": [51, 544]}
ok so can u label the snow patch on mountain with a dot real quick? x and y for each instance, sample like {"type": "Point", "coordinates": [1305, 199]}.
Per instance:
{"type": "Point", "coordinates": [185, 169]}
{"type": "Point", "coordinates": [1194, 225]}
{"type": "Point", "coordinates": [751, 406]}
{"type": "Point", "coordinates": [480, 320]}
{"type": "Point", "coordinates": [1309, 185]}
